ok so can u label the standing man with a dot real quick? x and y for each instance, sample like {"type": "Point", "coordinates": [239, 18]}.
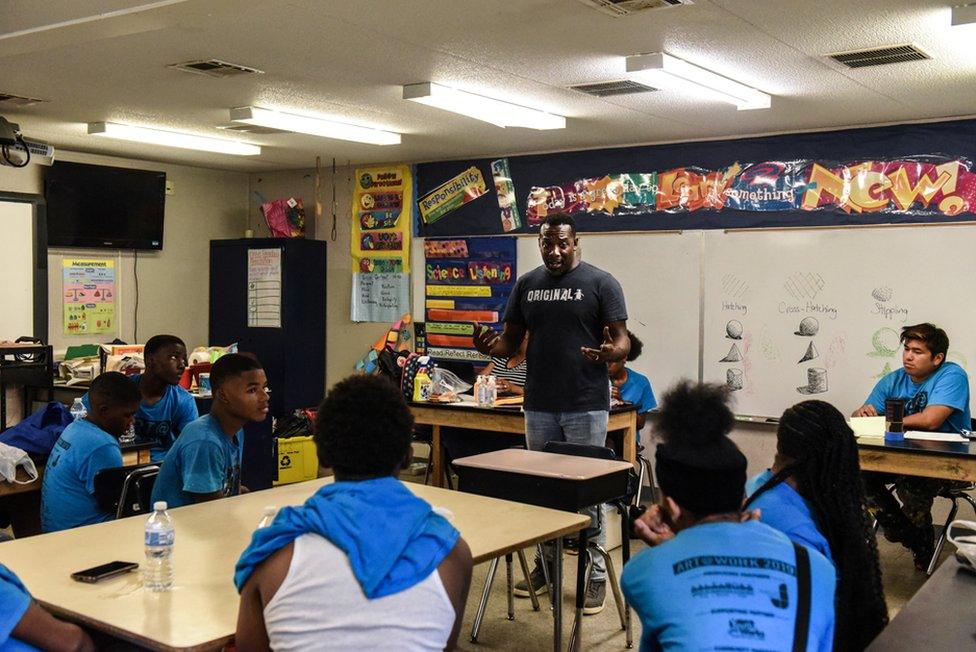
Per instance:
{"type": "Point", "coordinates": [936, 395]}
{"type": "Point", "coordinates": [578, 323]}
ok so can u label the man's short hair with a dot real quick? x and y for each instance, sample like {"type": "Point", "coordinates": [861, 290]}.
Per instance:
{"type": "Point", "coordinates": [934, 338]}
{"type": "Point", "coordinates": [636, 346]}
{"type": "Point", "coordinates": [559, 219]}
{"type": "Point", "coordinates": [157, 342]}
{"type": "Point", "coordinates": [231, 366]}
{"type": "Point", "coordinates": [113, 389]}
{"type": "Point", "coordinates": [363, 427]}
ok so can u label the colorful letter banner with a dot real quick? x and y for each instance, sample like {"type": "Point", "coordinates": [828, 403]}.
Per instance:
{"type": "Point", "coordinates": [88, 291]}
{"type": "Point", "coordinates": [895, 174]}
{"type": "Point", "coordinates": [382, 219]}
{"type": "Point", "coordinates": [933, 187]}
{"type": "Point", "coordinates": [452, 194]}
{"type": "Point", "coordinates": [467, 280]}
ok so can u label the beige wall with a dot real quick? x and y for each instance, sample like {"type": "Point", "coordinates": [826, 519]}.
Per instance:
{"type": "Point", "coordinates": [346, 341]}
{"type": "Point", "coordinates": [173, 283]}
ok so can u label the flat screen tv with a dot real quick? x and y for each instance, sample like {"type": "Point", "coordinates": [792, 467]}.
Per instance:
{"type": "Point", "coordinates": [104, 207]}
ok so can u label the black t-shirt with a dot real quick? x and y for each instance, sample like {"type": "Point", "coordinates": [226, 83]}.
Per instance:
{"type": "Point", "coordinates": [562, 314]}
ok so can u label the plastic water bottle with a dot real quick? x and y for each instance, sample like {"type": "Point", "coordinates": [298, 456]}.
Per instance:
{"type": "Point", "coordinates": [269, 514]}
{"type": "Point", "coordinates": [78, 410]}
{"type": "Point", "coordinates": [158, 574]}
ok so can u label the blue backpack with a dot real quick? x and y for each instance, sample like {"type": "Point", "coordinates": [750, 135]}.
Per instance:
{"type": "Point", "coordinates": [37, 433]}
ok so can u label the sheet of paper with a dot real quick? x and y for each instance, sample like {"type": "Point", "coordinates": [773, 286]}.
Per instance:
{"type": "Point", "coordinates": [935, 436]}
{"type": "Point", "coordinates": [868, 426]}
{"type": "Point", "coordinates": [264, 288]}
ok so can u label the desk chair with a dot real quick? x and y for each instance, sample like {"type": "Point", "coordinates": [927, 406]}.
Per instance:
{"type": "Point", "coordinates": [126, 490]}
{"type": "Point", "coordinates": [622, 504]}
{"type": "Point", "coordinates": [955, 494]}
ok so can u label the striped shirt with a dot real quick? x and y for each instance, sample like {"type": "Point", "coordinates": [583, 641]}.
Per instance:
{"type": "Point", "coordinates": [515, 376]}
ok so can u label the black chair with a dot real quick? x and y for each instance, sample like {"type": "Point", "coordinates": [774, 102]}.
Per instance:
{"type": "Point", "coordinates": [622, 504]}
{"type": "Point", "coordinates": [126, 490]}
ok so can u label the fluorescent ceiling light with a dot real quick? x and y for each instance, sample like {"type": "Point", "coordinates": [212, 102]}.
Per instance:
{"type": "Point", "coordinates": [171, 139]}
{"type": "Point", "coordinates": [315, 126]}
{"type": "Point", "coordinates": [479, 107]}
{"type": "Point", "coordinates": [964, 14]}
{"type": "Point", "coordinates": [667, 72]}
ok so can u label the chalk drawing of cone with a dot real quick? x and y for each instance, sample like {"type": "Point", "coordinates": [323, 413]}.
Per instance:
{"type": "Point", "coordinates": [810, 354]}
{"type": "Point", "coordinates": [809, 326]}
{"type": "Point", "coordinates": [734, 355]}
{"type": "Point", "coordinates": [816, 381]}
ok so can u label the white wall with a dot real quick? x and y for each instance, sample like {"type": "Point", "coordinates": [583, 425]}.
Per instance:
{"type": "Point", "coordinates": [173, 283]}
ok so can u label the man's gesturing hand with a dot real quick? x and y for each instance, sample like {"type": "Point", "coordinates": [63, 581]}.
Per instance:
{"type": "Point", "coordinates": [485, 338]}
{"type": "Point", "coordinates": [604, 353]}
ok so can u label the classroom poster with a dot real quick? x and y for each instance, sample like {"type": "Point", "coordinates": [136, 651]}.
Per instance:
{"type": "Point", "coordinates": [264, 288]}
{"type": "Point", "coordinates": [88, 294]}
{"type": "Point", "coordinates": [467, 280]}
{"type": "Point", "coordinates": [382, 220]}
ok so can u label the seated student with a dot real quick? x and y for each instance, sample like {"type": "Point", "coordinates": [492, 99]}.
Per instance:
{"type": "Point", "coordinates": [510, 381]}
{"type": "Point", "coordinates": [813, 495]}
{"type": "Point", "coordinates": [381, 568]}
{"type": "Point", "coordinates": [26, 626]}
{"type": "Point", "coordinates": [714, 578]}
{"type": "Point", "coordinates": [205, 461]}
{"type": "Point", "coordinates": [84, 448]}
{"type": "Point", "coordinates": [166, 407]}
{"type": "Point", "coordinates": [936, 394]}
{"type": "Point", "coordinates": [632, 386]}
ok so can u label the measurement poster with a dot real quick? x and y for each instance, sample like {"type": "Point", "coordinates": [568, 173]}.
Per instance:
{"type": "Point", "coordinates": [88, 293]}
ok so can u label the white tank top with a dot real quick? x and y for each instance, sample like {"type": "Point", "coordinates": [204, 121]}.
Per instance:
{"type": "Point", "coordinates": [320, 606]}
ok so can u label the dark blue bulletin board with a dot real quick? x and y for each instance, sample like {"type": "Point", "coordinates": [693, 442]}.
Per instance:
{"type": "Point", "coordinates": [910, 173]}
{"type": "Point", "coordinates": [466, 280]}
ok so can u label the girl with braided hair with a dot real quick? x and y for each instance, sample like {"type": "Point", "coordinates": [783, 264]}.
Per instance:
{"type": "Point", "coordinates": [813, 494]}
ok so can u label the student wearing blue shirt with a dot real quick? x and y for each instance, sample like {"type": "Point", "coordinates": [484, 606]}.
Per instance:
{"type": "Point", "coordinates": [166, 408]}
{"type": "Point", "coordinates": [936, 396]}
{"type": "Point", "coordinates": [205, 462]}
{"type": "Point", "coordinates": [813, 495]}
{"type": "Point", "coordinates": [25, 626]}
{"type": "Point", "coordinates": [84, 448]}
{"type": "Point", "coordinates": [714, 577]}
{"type": "Point", "coordinates": [632, 386]}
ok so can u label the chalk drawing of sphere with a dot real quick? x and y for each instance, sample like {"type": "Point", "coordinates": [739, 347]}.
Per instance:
{"type": "Point", "coordinates": [734, 329]}
{"type": "Point", "coordinates": [882, 293]}
{"type": "Point", "coordinates": [886, 342]}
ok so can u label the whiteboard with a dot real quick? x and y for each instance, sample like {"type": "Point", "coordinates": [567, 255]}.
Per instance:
{"type": "Point", "coordinates": [820, 311]}
{"type": "Point", "coordinates": [660, 274]}
{"type": "Point", "coordinates": [17, 254]}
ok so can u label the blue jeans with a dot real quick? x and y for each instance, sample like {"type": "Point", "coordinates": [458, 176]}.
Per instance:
{"type": "Point", "coordinates": [580, 428]}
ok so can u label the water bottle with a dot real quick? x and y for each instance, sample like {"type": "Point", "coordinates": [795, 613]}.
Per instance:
{"type": "Point", "coordinates": [269, 514]}
{"type": "Point", "coordinates": [158, 574]}
{"type": "Point", "coordinates": [78, 410]}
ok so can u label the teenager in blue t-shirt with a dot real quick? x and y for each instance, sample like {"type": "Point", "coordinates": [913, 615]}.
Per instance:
{"type": "Point", "coordinates": [166, 408]}
{"type": "Point", "coordinates": [25, 626]}
{"type": "Point", "coordinates": [936, 396]}
{"type": "Point", "coordinates": [205, 462]}
{"type": "Point", "coordinates": [84, 448]}
{"type": "Point", "coordinates": [632, 386]}
{"type": "Point", "coordinates": [813, 495]}
{"type": "Point", "coordinates": [715, 578]}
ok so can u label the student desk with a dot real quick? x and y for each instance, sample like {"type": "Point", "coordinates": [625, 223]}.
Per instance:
{"type": "Point", "coordinates": [468, 415]}
{"type": "Point", "coordinates": [201, 611]}
{"type": "Point", "coordinates": [928, 459]}
{"type": "Point", "coordinates": [941, 616]}
{"type": "Point", "coordinates": [565, 482]}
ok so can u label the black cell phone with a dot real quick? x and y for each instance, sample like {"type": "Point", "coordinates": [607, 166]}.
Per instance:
{"type": "Point", "coordinates": [98, 573]}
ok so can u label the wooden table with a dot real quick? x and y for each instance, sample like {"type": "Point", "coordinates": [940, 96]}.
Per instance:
{"type": "Point", "coordinates": [928, 459]}
{"type": "Point", "coordinates": [131, 454]}
{"type": "Point", "coordinates": [201, 611]}
{"type": "Point", "coordinates": [941, 616]}
{"type": "Point", "coordinates": [469, 416]}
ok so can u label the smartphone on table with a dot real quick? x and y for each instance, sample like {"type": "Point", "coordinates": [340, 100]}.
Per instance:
{"type": "Point", "coordinates": [98, 573]}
